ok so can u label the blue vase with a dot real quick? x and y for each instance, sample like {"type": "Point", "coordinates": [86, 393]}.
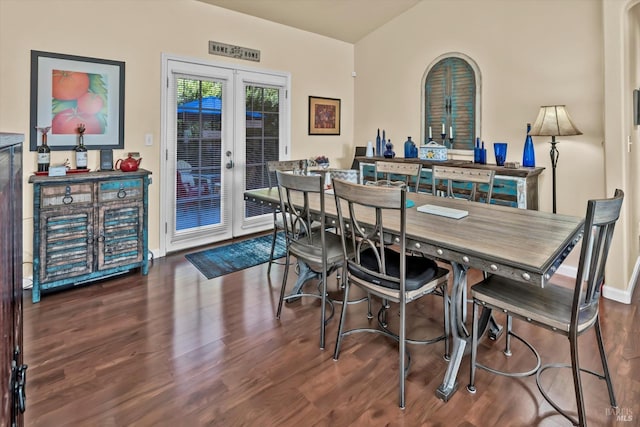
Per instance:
{"type": "Point", "coordinates": [529, 154]}
{"type": "Point", "coordinates": [389, 153]}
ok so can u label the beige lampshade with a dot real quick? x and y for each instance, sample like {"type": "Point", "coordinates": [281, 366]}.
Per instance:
{"type": "Point", "coordinates": [553, 120]}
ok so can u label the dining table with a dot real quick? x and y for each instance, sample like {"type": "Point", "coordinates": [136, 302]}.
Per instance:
{"type": "Point", "coordinates": [520, 244]}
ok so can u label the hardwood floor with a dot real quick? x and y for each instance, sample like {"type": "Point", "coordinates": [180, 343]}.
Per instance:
{"type": "Point", "coordinates": [175, 349]}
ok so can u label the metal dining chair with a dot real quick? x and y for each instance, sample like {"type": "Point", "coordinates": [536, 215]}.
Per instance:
{"type": "Point", "coordinates": [471, 177]}
{"type": "Point", "coordinates": [386, 272]}
{"type": "Point", "coordinates": [570, 312]}
{"type": "Point", "coordinates": [278, 221]}
{"type": "Point", "coordinates": [409, 172]}
{"type": "Point", "coordinates": [316, 247]}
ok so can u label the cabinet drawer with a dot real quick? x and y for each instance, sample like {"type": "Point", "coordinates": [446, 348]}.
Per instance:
{"type": "Point", "coordinates": [66, 195]}
{"type": "Point", "coordinates": [120, 190]}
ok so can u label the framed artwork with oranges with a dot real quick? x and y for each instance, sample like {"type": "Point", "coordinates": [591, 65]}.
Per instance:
{"type": "Point", "coordinates": [70, 92]}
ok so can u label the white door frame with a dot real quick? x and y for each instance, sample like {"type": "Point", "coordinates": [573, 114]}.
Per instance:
{"type": "Point", "coordinates": [231, 134]}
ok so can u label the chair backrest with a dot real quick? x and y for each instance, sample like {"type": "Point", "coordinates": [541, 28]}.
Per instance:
{"type": "Point", "coordinates": [599, 224]}
{"type": "Point", "coordinates": [466, 175]}
{"type": "Point", "coordinates": [409, 171]}
{"type": "Point", "coordinates": [360, 152]}
{"type": "Point", "coordinates": [363, 212]}
{"type": "Point", "coordinates": [283, 165]}
{"type": "Point", "coordinates": [295, 191]}
{"type": "Point", "coordinates": [351, 175]}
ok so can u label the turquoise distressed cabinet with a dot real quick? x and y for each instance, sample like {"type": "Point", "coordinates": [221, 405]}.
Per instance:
{"type": "Point", "coordinates": [511, 187]}
{"type": "Point", "coordinates": [88, 226]}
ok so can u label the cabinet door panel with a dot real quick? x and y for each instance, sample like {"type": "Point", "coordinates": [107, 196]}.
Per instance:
{"type": "Point", "coordinates": [67, 248]}
{"type": "Point", "coordinates": [120, 239]}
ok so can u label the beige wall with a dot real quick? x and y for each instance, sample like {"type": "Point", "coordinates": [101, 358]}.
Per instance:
{"type": "Point", "coordinates": [620, 38]}
{"type": "Point", "coordinates": [138, 32]}
{"type": "Point", "coordinates": [523, 65]}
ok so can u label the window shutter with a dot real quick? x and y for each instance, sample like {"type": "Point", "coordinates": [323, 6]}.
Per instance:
{"type": "Point", "coordinates": [450, 98]}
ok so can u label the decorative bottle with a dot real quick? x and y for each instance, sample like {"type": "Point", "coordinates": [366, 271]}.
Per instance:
{"type": "Point", "coordinates": [369, 152]}
{"type": "Point", "coordinates": [389, 153]}
{"type": "Point", "coordinates": [44, 152]}
{"type": "Point", "coordinates": [383, 142]}
{"type": "Point", "coordinates": [80, 149]}
{"type": "Point", "coordinates": [408, 148]}
{"type": "Point", "coordinates": [529, 154]}
{"type": "Point", "coordinates": [378, 144]}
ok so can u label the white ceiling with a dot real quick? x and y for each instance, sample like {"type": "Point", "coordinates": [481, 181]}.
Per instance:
{"type": "Point", "coordinates": [346, 20]}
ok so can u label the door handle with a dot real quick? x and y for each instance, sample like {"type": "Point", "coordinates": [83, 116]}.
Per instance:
{"type": "Point", "coordinates": [229, 164]}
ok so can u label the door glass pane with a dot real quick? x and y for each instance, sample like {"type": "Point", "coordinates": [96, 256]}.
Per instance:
{"type": "Point", "coordinates": [198, 156]}
{"type": "Point", "coordinates": [262, 140]}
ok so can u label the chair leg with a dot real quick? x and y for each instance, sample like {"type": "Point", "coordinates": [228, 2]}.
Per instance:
{"type": "Point", "coordinates": [577, 382]}
{"type": "Point", "coordinates": [402, 343]}
{"type": "Point", "coordinates": [474, 350]}
{"type": "Point", "coordinates": [323, 307]}
{"type": "Point", "coordinates": [605, 366]}
{"type": "Point", "coordinates": [343, 315]}
{"type": "Point", "coordinates": [284, 285]}
{"type": "Point", "coordinates": [507, 341]}
{"type": "Point", "coordinates": [447, 327]}
{"type": "Point", "coordinates": [273, 248]}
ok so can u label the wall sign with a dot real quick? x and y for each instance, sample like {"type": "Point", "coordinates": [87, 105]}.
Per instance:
{"type": "Point", "coordinates": [223, 49]}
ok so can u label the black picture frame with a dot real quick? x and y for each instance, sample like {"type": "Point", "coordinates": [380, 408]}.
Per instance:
{"type": "Point", "coordinates": [67, 90]}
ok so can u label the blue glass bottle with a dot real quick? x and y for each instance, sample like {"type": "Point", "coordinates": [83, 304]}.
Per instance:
{"type": "Point", "coordinates": [378, 144]}
{"type": "Point", "coordinates": [408, 148]}
{"type": "Point", "coordinates": [529, 154]}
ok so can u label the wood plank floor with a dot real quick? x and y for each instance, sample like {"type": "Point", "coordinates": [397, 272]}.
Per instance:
{"type": "Point", "coordinates": [175, 349]}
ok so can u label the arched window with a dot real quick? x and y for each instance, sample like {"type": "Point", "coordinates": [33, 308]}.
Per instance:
{"type": "Point", "coordinates": [452, 98]}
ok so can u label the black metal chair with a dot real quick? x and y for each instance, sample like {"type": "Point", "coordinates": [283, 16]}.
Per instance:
{"type": "Point", "coordinates": [569, 312]}
{"type": "Point", "coordinates": [381, 266]}
{"type": "Point", "coordinates": [316, 247]}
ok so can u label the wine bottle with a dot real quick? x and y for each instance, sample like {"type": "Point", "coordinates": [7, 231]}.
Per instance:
{"type": "Point", "coordinates": [529, 154]}
{"type": "Point", "coordinates": [44, 155]}
{"type": "Point", "coordinates": [81, 150]}
{"type": "Point", "coordinates": [378, 144]}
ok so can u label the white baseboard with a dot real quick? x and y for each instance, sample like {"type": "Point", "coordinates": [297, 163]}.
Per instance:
{"type": "Point", "coordinates": [609, 292]}
{"type": "Point", "coordinates": [567, 270]}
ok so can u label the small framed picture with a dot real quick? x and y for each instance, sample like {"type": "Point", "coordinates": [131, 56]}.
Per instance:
{"type": "Point", "coordinates": [324, 116]}
{"type": "Point", "coordinates": [67, 91]}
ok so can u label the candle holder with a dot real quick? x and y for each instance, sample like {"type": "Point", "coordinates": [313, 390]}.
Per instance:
{"type": "Point", "coordinates": [430, 139]}
{"type": "Point", "coordinates": [451, 142]}
{"type": "Point", "coordinates": [444, 139]}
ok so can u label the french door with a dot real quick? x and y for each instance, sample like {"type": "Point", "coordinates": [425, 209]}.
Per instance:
{"type": "Point", "coordinates": [222, 124]}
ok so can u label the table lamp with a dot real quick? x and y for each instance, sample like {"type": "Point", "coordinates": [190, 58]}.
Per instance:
{"type": "Point", "coordinates": [553, 120]}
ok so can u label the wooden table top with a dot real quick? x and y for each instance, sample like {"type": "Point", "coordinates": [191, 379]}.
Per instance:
{"type": "Point", "coordinates": [522, 244]}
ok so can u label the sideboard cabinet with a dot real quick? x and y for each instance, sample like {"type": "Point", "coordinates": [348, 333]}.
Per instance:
{"type": "Point", "coordinates": [511, 187]}
{"type": "Point", "coordinates": [88, 226]}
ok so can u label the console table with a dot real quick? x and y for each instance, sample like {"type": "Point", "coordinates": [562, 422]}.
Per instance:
{"type": "Point", "coordinates": [511, 187]}
{"type": "Point", "coordinates": [88, 226]}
